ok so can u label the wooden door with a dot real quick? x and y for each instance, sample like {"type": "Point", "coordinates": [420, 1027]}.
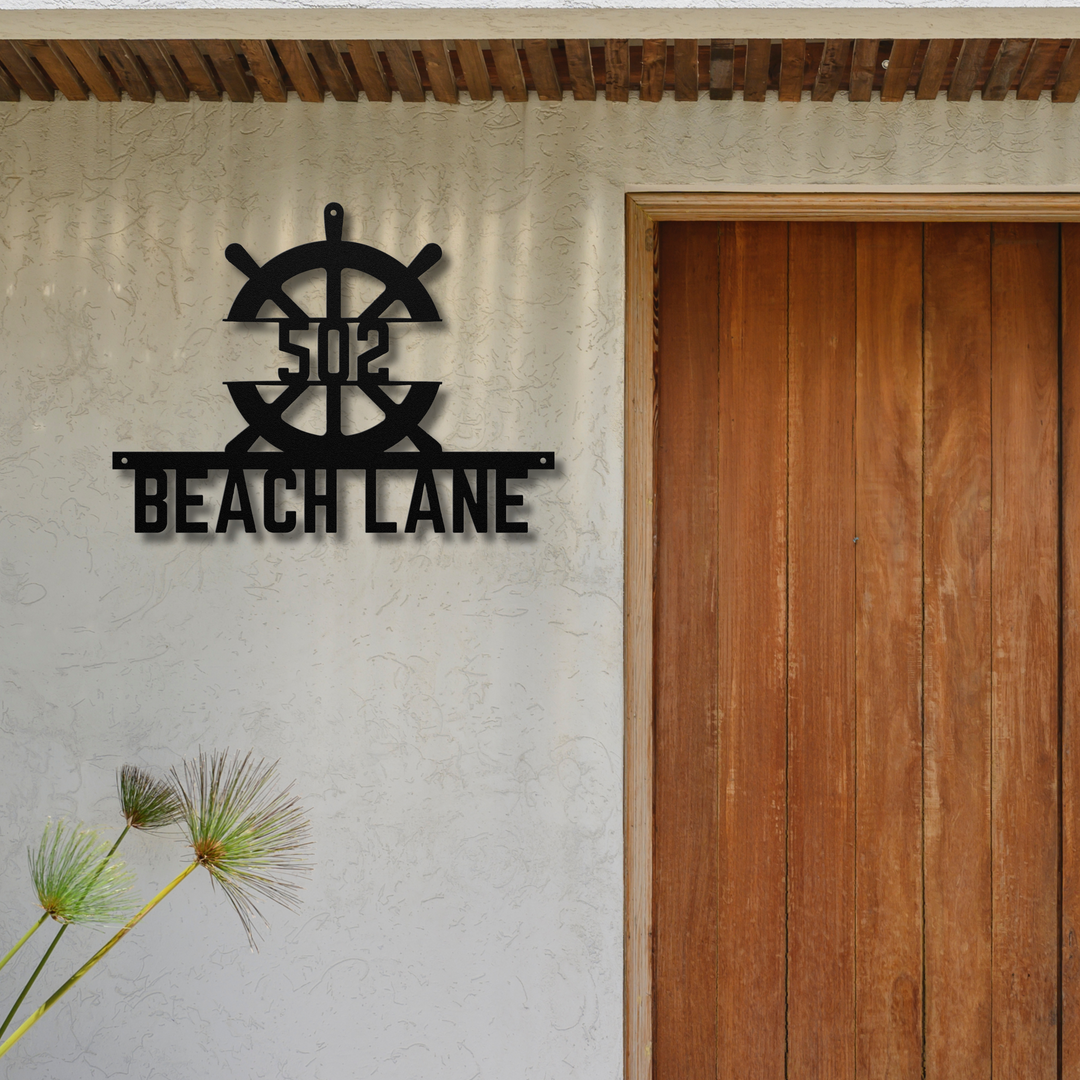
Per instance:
{"type": "Point", "coordinates": [864, 811]}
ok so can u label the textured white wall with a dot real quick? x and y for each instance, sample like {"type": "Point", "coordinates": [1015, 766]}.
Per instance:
{"type": "Point", "coordinates": [450, 708]}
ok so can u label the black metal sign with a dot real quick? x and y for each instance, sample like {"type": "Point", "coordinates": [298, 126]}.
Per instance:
{"type": "Point", "coordinates": [337, 370]}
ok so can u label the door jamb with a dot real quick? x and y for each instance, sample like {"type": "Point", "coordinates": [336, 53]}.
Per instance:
{"type": "Point", "coordinates": [644, 212]}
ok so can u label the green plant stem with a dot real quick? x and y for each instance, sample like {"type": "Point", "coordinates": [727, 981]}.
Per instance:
{"type": "Point", "coordinates": [42, 1009]}
{"type": "Point", "coordinates": [23, 940]}
{"type": "Point", "coordinates": [56, 940]}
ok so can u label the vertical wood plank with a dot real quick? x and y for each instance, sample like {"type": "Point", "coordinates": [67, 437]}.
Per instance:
{"type": "Point", "coordinates": [227, 65]}
{"type": "Point", "coordinates": [901, 61]}
{"type": "Point", "coordinates": [642, 263]}
{"type": "Point", "coordinates": [1068, 81]}
{"type": "Point", "coordinates": [864, 60]}
{"type": "Point", "coordinates": [580, 64]}
{"type": "Point", "coordinates": [687, 69]}
{"type": "Point", "coordinates": [686, 842]}
{"type": "Point", "coordinates": [1011, 56]}
{"type": "Point", "coordinates": [834, 59]}
{"type": "Point", "coordinates": [335, 74]}
{"type": "Point", "coordinates": [968, 68]}
{"type": "Point", "coordinates": [402, 63]}
{"type": "Point", "coordinates": [792, 69]}
{"type": "Point", "coordinates": [542, 67]}
{"type": "Point", "coordinates": [474, 68]}
{"type": "Point", "coordinates": [1070, 652]}
{"type": "Point", "coordinates": [196, 68]}
{"type": "Point", "coordinates": [86, 59]}
{"type": "Point", "coordinates": [1025, 640]}
{"type": "Point", "coordinates": [653, 69]}
{"type": "Point", "coordinates": [957, 651]}
{"type": "Point", "coordinates": [617, 69]}
{"type": "Point", "coordinates": [821, 661]}
{"type": "Point", "coordinates": [888, 571]}
{"type": "Point", "coordinates": [752, 657]}
{"type": "Point", "coordinates": [507, 62]}
{"type": "Point", "coordinates": [935, 63]}
{"type": "Point", "coordinates": [440, 70]}
{"type": "Point", "coordinates": [369, 69]}
{"type": "Point", "coordinates": [756, 76]}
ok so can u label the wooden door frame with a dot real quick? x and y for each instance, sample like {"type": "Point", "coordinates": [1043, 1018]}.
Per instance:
{"type": "Point", "coordinates": [644, 212]}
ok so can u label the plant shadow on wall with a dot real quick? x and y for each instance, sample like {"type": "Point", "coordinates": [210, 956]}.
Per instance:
{"type": "Point", "coordinates": [248, 832]}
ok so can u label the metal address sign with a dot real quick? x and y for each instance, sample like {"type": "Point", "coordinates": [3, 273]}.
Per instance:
{"type": "Point", "coordinates": [337, 370]}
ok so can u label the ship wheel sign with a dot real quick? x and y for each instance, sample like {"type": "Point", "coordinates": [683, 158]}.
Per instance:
{"type": "Point", "coordinates": [349, 346]}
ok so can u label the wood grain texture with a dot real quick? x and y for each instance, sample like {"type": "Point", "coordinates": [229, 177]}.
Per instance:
{"type": "Point", "coordinates": [128, 70]}
{"type": "Point", "coordinates": [642, 252]}
{"type": "Point", "coordinates": [86, 60]}
{"type": "Point", "coordinates": [302, 75]}
{"type": "Point", "coordinates": [901, 61]}
{"type": "Point", "coordinates": [968, 68]}
{"type": "Point", "coordinates": [833, 63]}
{"type": "Point", "coordinates": [369, 70]}
{"type": "Point", "coordinates": [687, 69]}
{"type": "Point", "coordinates": [335, 74]}
{"type": "Point", "coordinates": [863, 68]}
{"type": "Point", "coordinates": [957, 659]}
{"type": "Point", "coordinates": [1010, 58]}
{"type": "Point", "coordinates": [264, 70]}
{"type": "Point", "coordinates": [580, 65]}
{"type": "Point", "coordinates": [399, 54]}
{"type": "Point", "coordinates": [24, 71]}
{"type": "Point", "coordinates": [196, 69]}
{"type": "Point", "coordinates": [935, 64]}
{"type": "Point", "coordinates": [752, 654]}
{"type": "Point", "coordinates": [163, 70]}
{"type": "Point", "coordinates": [474, 68]}
{"type": "Point", "coordinates": [792, 68]}
{"type": "Point", "coordinates": [756, 77]}
{"type": "Point", "coordinates": [1039, 62]}
{"type": "Point", "coordinates": [542, 66]}
{"type": "Point", "coordinates": [9, 88]}
{"type": "Point", "coordinates": [59, 69]}
{"type": "Point", "coordinates": [617, 69]}
{"type": "Point", "coordinates": [888, 665]}
{"type": "Point", "coordinates": [686, 894]}
{"type": "Point", "coordinates": [226, 63]}
{"type": "Point", "coordinates": [1070, 650]}
{"type": "Point", "coordinates": [821, 661]}
{"type": "Point", "coordinates": [508, 68]}
{"type": "Point", "coordinates": [440, 71]}
{"type": "Point", "coordinates": [722, 69]}
{"type": "Point", "coordinates": [1067, 84]}
{"type": "Point", "coordinates": [653, 69]}
{"type": "Point", "coordinates": [1024, 812]}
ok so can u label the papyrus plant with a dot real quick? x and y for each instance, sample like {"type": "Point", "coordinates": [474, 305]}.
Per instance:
{"type": "Point", "coordinates": [247, 832]}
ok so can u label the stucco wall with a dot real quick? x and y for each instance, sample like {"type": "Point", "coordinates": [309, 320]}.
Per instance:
{"type": "Point", "coordinates": [449, 707]}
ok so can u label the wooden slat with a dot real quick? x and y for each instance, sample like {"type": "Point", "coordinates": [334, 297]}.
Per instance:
{"type": "Point", "coordinates": [935, 64]}
{"type": "Point", "coordinates": [821, 661]}
{"type": "Point", "coordinates": [334, 72]}
{"type": "Point", "coordinates": [617, 69]}
{"type": "Point", "coordinates": [687, 69]}
{"type": "Point", "coordinates": [128, 70]}
{"type": "Point", "coordinates": [9, 89]}
{"type": "Point", "coordinates": [834, 59]}
{"type": "Point", "coordinates": [406, 73]}
{"type": "Point", "coordinates": [1024, 814]}
{"type": "Point", "coordinates": [580, 63]}
{"type": "Point", "coordinates": [86, 60]}
{"type": "Point", "coordinates": [1068, 81]}
{"type": "Point", "coordinates": [295, 60]}
{"type": "Point", "coordinates": [227, 65]}
{"type": "Point", "coordinates": [1070, 650]}
{"type": "Point", "coordinates": [792, 68]}
{"type": "Point", "coordinates": [1010, 57]}
{"type": "Point", "coordinates": [163, 71]}
{"type": "Point", "coordinates": [752, 649]}
{"type": "Point", "coordinates": [1039, 62]}
{"type": "Point", "coordinates": [542, 67]}
{"type": "Point", "coordinates": [440, 71]}
{"type": "Point", "coordinates": [508, 68]}
{"type": "Point", "coordinates": [264, 70]}
{"type": "Point", "coordinates": [863, 68]}
{"type": "Point", "coordinates": [957, 650]}
{"type": "Point", "coordinates": [370, 71]}
{"type": "Point", "coordinates": [722, 69]}
{"type": "Point", "coordinates": [888, 656]}
{"type": "Point", "coordinates": [756, 78]}
{"type": "Point", "coordinates": [196, 69]}
{"type": "Point", "coordinates": [59, 69]}
{"type": "Point", "coordinates": [901, 60]}
{"type": "Point", "coordinates": [686, 837]}
{"type": "Point", "coordinates": [24, 71]}
{"type": "Point", "coordinates": [474, 68]}
{"type": "Point", "coordinates": [653, 69]}
{"type": "Point", "coordinates": [968, 68]}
